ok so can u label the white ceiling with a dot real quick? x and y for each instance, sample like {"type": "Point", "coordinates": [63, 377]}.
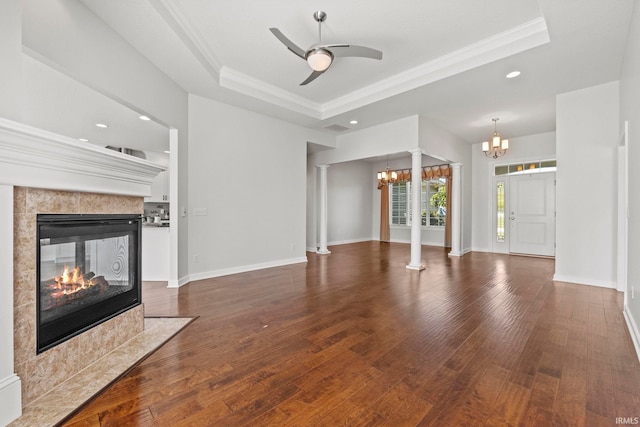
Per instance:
{"type": "Point", "coordinates": [445, 60]}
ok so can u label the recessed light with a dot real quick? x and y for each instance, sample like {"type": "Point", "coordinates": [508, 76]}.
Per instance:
{"type": "Point", "coordinates": [513, 74]}
{"type": "Point", "coordinates": [354, 122]}
{"type": "Point", "coordinates": [101, 125]}
{"type": "Point", "coordinates": [83, 139]}
{"type": "Point", "coordinates": [145, 118]}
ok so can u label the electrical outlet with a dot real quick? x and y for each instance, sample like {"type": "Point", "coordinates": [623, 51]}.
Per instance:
{"type": "Point", "coordinates": [196, 258]}
{"type": "Point", "coordinates": [200, 211]}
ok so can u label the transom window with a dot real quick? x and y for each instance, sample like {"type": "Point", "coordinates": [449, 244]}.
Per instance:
{"type": "Point", "coordinates": [529, 167]}
{"type": "Point", "coordinates": [433, 201]}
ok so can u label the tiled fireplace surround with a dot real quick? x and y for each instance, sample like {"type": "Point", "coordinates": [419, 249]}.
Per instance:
{"type": "Point", "coordinates": [32, 180]}
{"type": "Point", "coordinates": [40, 373]}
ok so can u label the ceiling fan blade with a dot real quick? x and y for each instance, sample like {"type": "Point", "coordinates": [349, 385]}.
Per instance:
{"type": "Point", "coordinates": [288, 43]}
{"type": "Point", "coordinates": [352, 50]}
{"type": "Point", "coordinates": [312, 77]}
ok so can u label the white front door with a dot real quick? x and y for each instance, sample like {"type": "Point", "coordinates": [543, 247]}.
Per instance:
{"type": "Point", "coordinates": [532, 227]}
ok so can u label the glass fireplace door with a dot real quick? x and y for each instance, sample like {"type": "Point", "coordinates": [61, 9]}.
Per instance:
{"type": "Point", "coordinates": [88, 271]}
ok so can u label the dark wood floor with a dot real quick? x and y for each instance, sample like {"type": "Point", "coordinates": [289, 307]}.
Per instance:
{"type": "Point", "coordinates": [353, 338]}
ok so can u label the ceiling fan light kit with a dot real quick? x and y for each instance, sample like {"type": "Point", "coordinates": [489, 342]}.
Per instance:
{"type": "Point", "coordinates": [320, 56]}
{"type": "Point", "coordinates": [319, 59]}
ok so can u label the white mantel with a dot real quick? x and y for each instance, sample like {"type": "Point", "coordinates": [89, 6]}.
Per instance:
{"type": "Point", "coordinates": [31, 157]}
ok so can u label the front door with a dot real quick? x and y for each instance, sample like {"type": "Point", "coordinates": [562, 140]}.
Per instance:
{"type": "Point", "coordinates": [532, 214]}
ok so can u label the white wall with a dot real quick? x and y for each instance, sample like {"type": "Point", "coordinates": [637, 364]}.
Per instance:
{"type": "Point", "coordinates": [388, 138]}
{"type": "Point", "coordinates": [85, 48]}
{"type": "Point", "coordinates": [397, 138]}
{"type": "Point", "coordinates": [587, 134]}
{"type": "Point", "coordinates": [11, 59]}
{"type": "Point", "coordinates": [249, 172]}
{"type": "Point", "coordinates": [630, 110]}
{"type": "Point", "coordinates": [70, 38]}
{"type": "Point", "coordinates": [349, 196]}
{"type": "Point", "coordinates": [532, 147]}
{"type": "Point", "coordinates": [312, 214]}
{"type": "Point", "coordinates": [438, 142]}
{"type": "Point", "coordinates": [393, 137]}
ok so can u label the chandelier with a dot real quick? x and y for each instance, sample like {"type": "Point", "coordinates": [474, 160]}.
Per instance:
{"type": "Point", "coordinates": [498, 147]}
{"type": "Point", "coordinates": [387, 176]}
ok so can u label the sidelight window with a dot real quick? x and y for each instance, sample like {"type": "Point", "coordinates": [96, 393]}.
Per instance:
{"type": "Point", "coordinates": [500, 211]}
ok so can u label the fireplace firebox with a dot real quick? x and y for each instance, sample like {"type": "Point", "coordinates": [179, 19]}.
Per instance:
{"type": "Point", "coordinates": [88, 271]}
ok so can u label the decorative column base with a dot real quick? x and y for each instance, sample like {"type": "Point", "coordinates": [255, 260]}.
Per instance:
{"type": "Point", "coordinates": [323, 251]}
{"type": "Point", "coordinates": [455, 254]}
{"type": "Point", "coordinates": [416, 267]}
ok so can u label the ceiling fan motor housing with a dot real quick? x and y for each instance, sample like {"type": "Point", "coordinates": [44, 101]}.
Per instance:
{"type": "Point", "coordinates": [319, 16]}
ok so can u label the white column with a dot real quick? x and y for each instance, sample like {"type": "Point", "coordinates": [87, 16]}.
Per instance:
{"type": "Point", "coordinates": [323, 210]}
{"type": "Point", "coordinates": [456, 210]}
{"type": "Point", "coordinates": [416, 218]}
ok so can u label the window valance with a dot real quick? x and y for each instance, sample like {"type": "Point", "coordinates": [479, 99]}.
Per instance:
{"type": "Point", "coordinates": [428, 172]}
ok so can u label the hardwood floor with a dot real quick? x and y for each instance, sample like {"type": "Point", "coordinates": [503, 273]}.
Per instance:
{"type": "Point", "coordinates": [353, 338]}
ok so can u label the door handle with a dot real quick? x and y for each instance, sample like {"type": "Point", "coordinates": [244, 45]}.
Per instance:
{"type": "Point", "coordinates": [513, 217]}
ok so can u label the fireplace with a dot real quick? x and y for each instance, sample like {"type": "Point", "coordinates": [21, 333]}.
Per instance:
{"type": "Point", "coordinates": [88, 271]}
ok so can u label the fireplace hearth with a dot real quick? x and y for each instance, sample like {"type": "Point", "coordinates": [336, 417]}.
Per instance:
{"type": "Point", "coordinates": [88, 271]}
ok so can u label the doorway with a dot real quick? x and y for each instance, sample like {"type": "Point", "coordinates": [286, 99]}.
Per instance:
{"type": "Point", "coordinates": [532, 214]}
{"type": "Point", "coordinates": [523, 212]}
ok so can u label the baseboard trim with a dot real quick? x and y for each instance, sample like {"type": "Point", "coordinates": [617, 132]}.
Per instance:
{"type": "Point", "coordinates": [177, 283]}
{"type": "Point", "coordinates": [486, 250]}
{"type": "Point", "coordinates": [633, 329]}
{"type": "Point", "coordinates": [10, 399]}
{"type": "Point", "coordinates": [245, 268]}
{"type": "Point", "coordinates": [583, 281]}
{"type": "Point", "coordinates": [346, 242]}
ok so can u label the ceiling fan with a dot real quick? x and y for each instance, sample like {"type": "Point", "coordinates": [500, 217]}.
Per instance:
{"type": "Point", "coordinates": [320, 56]}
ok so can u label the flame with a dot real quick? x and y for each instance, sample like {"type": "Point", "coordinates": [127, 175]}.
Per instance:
{"type": "Point", "coordinates": [71, 282]}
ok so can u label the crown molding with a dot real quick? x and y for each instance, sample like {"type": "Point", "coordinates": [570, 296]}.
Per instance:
{"type": "Point", "coordinates": [512, 41]}
{"type": "Point", "coordinates": [256, 88]}
{"type": "Point", "coordinates": [173, 14]}
{"type": "Point", "coordinates": [33, 157]}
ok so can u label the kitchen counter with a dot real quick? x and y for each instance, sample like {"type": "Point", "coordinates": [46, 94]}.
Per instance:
{"type": "Point", "coordinates": [151, 224]}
